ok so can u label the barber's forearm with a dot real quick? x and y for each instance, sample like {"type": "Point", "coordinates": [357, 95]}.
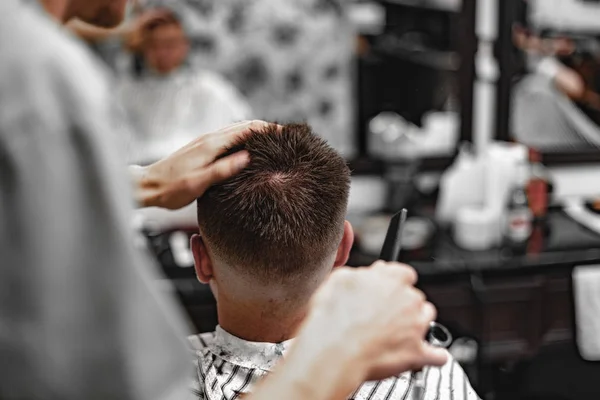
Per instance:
{"type": "Point", "coordinates": [313, 372]}
{"type": "Point", "coordinates": [91, 33]}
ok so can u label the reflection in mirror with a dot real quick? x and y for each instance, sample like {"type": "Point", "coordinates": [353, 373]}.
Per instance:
{"type": "Point", "coordinates": [409, 92]}
{"type": "Point", "coordinates": [378, 80]}
{"type": "Point", "coordinates": [555, 99]}
{"type": "Point", "coordinates": [169, 100]}
{"type": "Point", "coordinates": [280, 60]}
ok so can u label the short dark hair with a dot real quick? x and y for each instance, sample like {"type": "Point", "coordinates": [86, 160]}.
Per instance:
{"type": "Point", "coordinates": [283, 215]}
{"type": "Point", "coordinates": [167, 18]}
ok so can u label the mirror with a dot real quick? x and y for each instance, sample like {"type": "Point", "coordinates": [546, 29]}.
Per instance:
{"type": "Point", "coordinates": [399, 89]}
{"type": "Point", "coordinates": [413, 87]}
{"type": "Point", "coordinates": [552, 68]}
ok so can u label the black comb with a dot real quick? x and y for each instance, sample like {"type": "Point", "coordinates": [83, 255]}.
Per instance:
{"type": "Point", "coordinates": [393, 239]}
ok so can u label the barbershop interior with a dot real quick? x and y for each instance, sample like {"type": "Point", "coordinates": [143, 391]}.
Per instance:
{"type": "Point", "coordinates": [472, 132]}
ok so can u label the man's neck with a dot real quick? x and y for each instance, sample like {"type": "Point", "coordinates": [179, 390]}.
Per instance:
{"type": "Point", "coordinates": [260, 322]}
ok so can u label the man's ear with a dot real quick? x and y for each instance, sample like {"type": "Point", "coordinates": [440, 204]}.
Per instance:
{"type": "Point", "coordinates": [343, 251]}
{"type": "Point", "coordinates": [202, 262]}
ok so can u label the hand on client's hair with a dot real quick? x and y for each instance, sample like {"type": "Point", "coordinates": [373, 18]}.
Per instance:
{"type": "Point", "coordinates": [364, 324]}
{"type": "Point", "coordinates": [185, 175]}
{"type": "Point", "coordinates": [132, 32]}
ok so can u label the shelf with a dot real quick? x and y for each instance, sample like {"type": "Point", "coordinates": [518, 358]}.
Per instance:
{"type": "Point", "coordinates": [372, 166]}
{"type": "Point", "coordinates": [435, 59]}
{"type": "Point", "coordinates": [452, 6]}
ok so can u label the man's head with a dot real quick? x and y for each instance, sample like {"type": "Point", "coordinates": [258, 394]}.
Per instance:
{"type": "Point", "coordinates": [165, 45]}
{"type": "Point", "coordinates": [280, 223]}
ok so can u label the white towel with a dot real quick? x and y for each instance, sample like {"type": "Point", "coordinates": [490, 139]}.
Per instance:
{"type": "Point", "coordinates": [586, 282]}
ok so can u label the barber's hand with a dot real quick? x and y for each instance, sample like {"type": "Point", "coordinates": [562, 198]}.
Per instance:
{"type": "Point", "coordinates": [363, 324]}
{"type": "Point", "coordinates": [380, 316]}
{"type": "Point", "coordinates": [179, 179]}
{"type": "Point", "coordinates": [132, 33]}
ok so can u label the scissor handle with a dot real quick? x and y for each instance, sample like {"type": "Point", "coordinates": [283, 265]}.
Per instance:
{"type": "Point", "coordinates": [438, 335]}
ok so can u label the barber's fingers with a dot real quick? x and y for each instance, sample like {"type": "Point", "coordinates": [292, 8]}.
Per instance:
{"type": "Point", "coordinates": [404, 273]}
{"type": "Point", "coordinates": [432, 356]}
{"type": "Point", "coordinates": [423, 314]}
{"type": "Point", "coordinates": [428, 313]}
{"type": "Point", "coordinates": [422, 354]}
{"type": "Point", "coordinates": [138, 25]}
{"type": "Point", "coordinates": [400, 360]}
{"type": "Point", "coordinates": [216, 172]}
{"type": "Point", "coordinates": [134, 30]}
{"type": "Point", "coordinates": [205, 149]}
{"type": "Point", "coordinates": [227, 167]}
{"type": "Point", "coordinates": [220, 141]}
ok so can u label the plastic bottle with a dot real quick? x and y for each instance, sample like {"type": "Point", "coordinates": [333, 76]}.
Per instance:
{"type": "Point", "coordinates": [538, 187]}
{"type": "Point", "coordinates": [519, 218]}
{"type": "Point", "coordinates": [461, 185]}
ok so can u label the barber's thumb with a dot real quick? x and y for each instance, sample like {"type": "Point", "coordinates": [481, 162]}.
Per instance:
{"type": "Point", "coordinates": [434, 356]}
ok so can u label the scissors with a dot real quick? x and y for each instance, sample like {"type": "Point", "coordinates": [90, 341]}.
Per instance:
{"type": "Point", "coordinates": [437, 335]}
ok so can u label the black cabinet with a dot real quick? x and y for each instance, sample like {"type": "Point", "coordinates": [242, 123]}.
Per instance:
{"type": "Point", "coordinates": [512, 318]}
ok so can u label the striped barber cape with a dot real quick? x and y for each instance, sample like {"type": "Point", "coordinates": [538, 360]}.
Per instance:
{"type": "Point", "coordinates": [228, 367]}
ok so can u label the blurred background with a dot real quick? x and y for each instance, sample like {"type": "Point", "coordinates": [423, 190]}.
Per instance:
{"type": "Point", "coordinates": [481, 117]}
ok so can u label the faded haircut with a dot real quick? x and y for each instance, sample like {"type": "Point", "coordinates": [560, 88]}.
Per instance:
{"type": "Point", "coordinates": [283, 216]}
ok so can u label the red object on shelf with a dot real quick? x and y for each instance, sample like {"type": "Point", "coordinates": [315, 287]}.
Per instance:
{"type": "Point", "coordinates": [538, 186]}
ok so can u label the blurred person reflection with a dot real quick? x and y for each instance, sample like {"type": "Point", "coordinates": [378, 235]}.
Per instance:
{"type": "Point", "coordinates": [170, 102]}
{"type": "Point", "coordinates": [556, 102]}
{"type": "Point", "coordinates": [292, 59]}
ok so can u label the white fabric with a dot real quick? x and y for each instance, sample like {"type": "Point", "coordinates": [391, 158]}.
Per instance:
{"type": "Point", "coordinates": [586, 288]}
{"type": "Point", "coordinates": [228, 367]}
{"type": "Point", "coordinates": [586, 285]}
{"type": "Point", "coordinates": [549, 67]}
{"type": "Point", "coordinates": [545, 118]}
{"type": "Point", "coordinates": [170, 111]}
{"type": "Point", "coordinates": [572, 15]}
